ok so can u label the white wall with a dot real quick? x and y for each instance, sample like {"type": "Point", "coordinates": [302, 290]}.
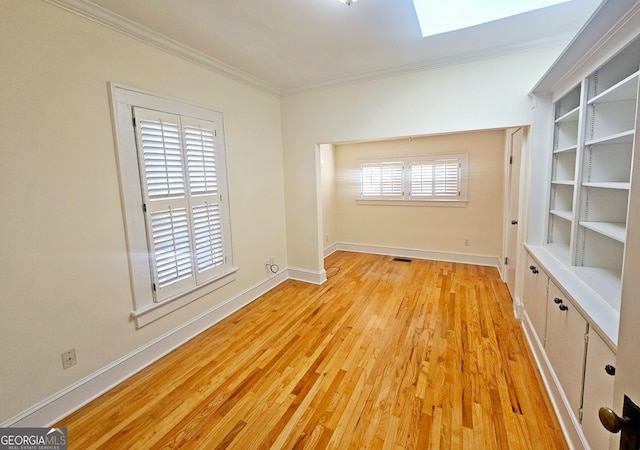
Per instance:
{"type": "Point", "coordinates": [63, 265]}
{"type": "Point", "coordinates": [328, 182]}
{"type": "Point", "coordinates": [478, 95]}
{"type": "Point", "coordinates": [441, 228]}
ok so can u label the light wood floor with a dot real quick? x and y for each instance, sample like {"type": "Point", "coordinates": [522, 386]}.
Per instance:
{"type": "Point", "coordinates": [386, 354]}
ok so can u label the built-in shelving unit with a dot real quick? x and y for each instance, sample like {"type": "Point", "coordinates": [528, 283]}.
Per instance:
{"type": "Point", "coordinates": [611, 103]}
{"type": "Point", "coordinates": [563, 173]}
{"type": "Point", "coordinates": [594, 131]}
{"type": "Point", "coordinates": [581, 211]}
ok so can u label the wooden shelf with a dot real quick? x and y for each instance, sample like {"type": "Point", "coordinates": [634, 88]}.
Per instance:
{"type": "Point", "coordinates": [566, 215]}
{"type": "Point", "coordinates": [626, 89]}
{"type": "Point", "coordinates": [560, 251]}
{"type": "Point", "coordinates": [571, 148]}
{"type": "Point", "coordinates": [623, 137]}
{"type": "Point", "coordinates": [571, 116]}
{"type": "Point", "coordinates": [620, 185]}
{"type": "Point", "coordinates": [616, 231]}
{"type": "Point", "coordinates": [564, 182]}
{"type": "Point", "coordinates": [607, 283]}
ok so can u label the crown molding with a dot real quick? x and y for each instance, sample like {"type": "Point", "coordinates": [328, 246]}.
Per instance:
{"type": "Point", "coordinates": [613, 22]}
{"type": "Point", "coordinates": [428, 65]}
{"type": "Point", "coordinates": [104, 17]}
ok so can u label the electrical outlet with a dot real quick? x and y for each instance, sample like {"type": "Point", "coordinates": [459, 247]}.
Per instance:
{"type": "Point", "coordinates": [69, 358]}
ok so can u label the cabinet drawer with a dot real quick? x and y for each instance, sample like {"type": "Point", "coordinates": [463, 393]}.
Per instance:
{"type": "Point", "coordinates": [565, 345]}
{"type": "Point", "coordinates": [598, 390]}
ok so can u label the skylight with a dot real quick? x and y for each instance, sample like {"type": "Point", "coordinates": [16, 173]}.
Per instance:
{"type": "Point", "coordinates": [440, 16]}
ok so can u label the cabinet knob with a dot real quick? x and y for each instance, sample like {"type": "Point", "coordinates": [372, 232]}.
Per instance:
{"type": "Point", "coordinates": [514, 222]}
{"type": "Point", "coordinates": [557, 300]}
{"type": "Point", "coordinates": [610, 369]}
{"type": "Point", "coordinates": [563, 307]}
{"type": "Point", "coordinates": [532, 267]}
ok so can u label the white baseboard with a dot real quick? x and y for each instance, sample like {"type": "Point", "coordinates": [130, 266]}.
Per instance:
{"type": "Point", "coordinates": [307, 276]}
{"type": "Point", "coordinates": [61, 404]}
{"type": "Point", "coordinates": [464, 258]}
{"type": "Point", "coordinates": [331, 249]}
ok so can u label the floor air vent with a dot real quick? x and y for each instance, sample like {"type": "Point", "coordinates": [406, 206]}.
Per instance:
{"type": "Point", "coordinates": [402, 260]}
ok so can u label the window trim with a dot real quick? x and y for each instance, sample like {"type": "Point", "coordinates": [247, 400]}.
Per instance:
{"type": "Point", "coordinates": [123, 99]}
{"type": "Point", "coordinates": [406, 199]}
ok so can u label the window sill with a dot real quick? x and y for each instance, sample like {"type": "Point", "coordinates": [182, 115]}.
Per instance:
{"type": "Point", "coordinates": [149, 313]}
{"type": "Point", "coordinates": [399, 202]}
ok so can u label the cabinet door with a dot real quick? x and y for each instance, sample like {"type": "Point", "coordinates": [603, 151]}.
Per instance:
{"type": "Point", "coordinates": [598, 390]}
{"type": "Point", "coordinates": [535, 300]}
{"type": "Point", "coordinates": [565, 345]}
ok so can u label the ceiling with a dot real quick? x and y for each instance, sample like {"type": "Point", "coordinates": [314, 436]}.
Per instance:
{"type": "Point", "coordinates": [293, 45]}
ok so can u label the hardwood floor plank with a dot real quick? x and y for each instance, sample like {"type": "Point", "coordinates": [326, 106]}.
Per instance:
{"type": "Point", "coordinates": [385, 354]}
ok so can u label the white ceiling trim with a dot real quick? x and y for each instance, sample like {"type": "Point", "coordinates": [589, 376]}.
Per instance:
{"type": "Point", "coordinates": [621, 18]}
{"type": "Point", "coordinates": [429, 65]}
{"type": "Point", "coordinates": [133, 29]}
{"type": "Point", "coordinates": [104, 17]}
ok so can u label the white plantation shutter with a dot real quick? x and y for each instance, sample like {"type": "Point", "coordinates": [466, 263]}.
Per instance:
{"type": "Point", "coordinates": [422, 180]}
{"type": "Point", "coordinates": [162, 154]}
{"type": "Point", "coordinates": [208, 236]}
{"type": "Point", "coordinates": [171, 245]}
{"type": "Point", "coordinates": [418, 180]}
{"type": "Point", "coordinates": [183, 205]}
{"type": "Point", "coordinates": [201, 157]}
{"type": "Point", "coordinates": [447, 178]}
{"type": "Point", "coordinates": [436, 179]}
{"type": "Point", "coordinates": [382, 179]}
{"type": "Point", "coordinates": [206, 202]}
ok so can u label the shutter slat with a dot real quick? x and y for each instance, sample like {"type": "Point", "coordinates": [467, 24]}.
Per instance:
{"type": "Point", "coordinates": [422, 180]}
{"type": "Point", "coordinates": [162, 158]}
{"type": "Point", "coordinates": [447, 179]}
{"type": "Point", "coordinates": [208, 236]}
{"type": "Point", "coordinates": [201, 160]}
{"type": "Point", "coordinates": [435, 179]}
{"type": "Point", "coordinates": [382, 179]}
{"type": "Point", "coordinates": [171, 245]}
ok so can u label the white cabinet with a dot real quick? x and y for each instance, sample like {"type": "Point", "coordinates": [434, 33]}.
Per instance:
{"type": "Point", "coordinates": [566, 345]}
{"type": "Point", "coordinates": [576, 358]}
{"type": "Point", "coordinates": [598, 390]}
{"type": "Point", "coordinates": [535, 297]}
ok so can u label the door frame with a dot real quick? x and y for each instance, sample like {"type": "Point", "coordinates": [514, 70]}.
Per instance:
{"type": "Point", "coordinates": [508, 215]}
